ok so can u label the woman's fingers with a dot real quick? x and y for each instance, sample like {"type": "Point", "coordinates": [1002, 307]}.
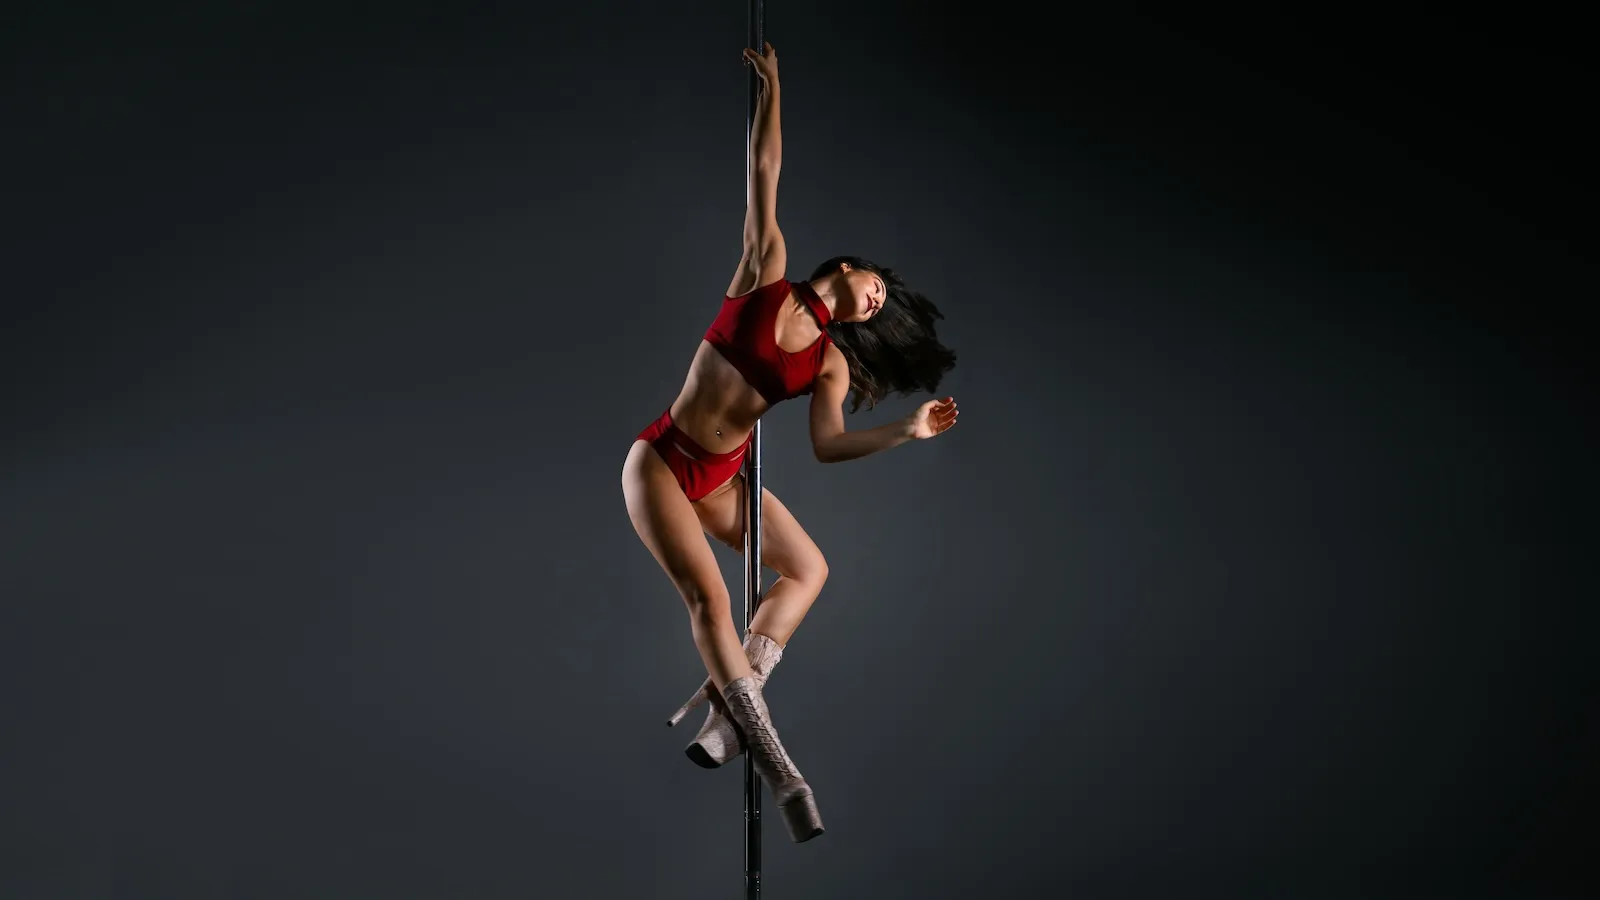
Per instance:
{"type": "Point", "coordinates": [767, 54]}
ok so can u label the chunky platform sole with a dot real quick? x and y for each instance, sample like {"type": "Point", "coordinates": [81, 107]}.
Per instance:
{"type": "Point", "coordinates": [801, 817]}
{"type": "Point", "coordinates": [702, 757]}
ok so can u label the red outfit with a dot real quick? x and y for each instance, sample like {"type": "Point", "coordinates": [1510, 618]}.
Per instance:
{"type": "Point", "coordinates": [698, 470]}
{"type": "Point", "coordinates": [745, 333]}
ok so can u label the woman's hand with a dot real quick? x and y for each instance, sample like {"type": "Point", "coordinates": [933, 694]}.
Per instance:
{"type": "Point", "coordinates": [931, 418]}
{"type": "Point", "coordinates": [766, 66]}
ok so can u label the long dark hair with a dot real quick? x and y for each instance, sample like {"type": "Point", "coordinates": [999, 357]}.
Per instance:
{"type": "Point", "coordinates": [895, 351]}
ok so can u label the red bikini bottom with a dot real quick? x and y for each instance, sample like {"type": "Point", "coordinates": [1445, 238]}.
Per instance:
{"type": "Point", "coordinates": [698, 470]}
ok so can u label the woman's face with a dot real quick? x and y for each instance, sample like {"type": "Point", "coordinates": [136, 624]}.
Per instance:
{"type": "Point", "coordinates": [859, 294]}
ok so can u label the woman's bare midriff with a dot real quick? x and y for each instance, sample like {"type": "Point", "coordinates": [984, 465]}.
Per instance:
{"type": "Point", "coordinates": [715, 397]}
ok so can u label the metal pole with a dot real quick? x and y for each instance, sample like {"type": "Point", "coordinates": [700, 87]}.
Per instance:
{"type": "Point", "coordinates": [752, 517]}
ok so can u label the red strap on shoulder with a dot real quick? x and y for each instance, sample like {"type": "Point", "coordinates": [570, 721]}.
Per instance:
{"type": "Point", "coordinates": [809, 297]}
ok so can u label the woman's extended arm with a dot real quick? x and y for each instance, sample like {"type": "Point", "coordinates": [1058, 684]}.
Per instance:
{"type": "Point", "coordinates": [832, 443]}
{"type": "Point", "coordinates": [765, 257]}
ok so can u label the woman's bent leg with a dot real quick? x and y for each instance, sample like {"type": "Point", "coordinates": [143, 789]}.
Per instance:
{"type": "Point", "coordinates": [785, 547]}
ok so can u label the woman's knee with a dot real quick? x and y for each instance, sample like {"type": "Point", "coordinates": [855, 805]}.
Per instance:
{"type": "Point", "coordinates": [810, 568]}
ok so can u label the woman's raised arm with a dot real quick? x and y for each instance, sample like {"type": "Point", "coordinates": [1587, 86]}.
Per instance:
{"type": "Point", "coordinates": [765, 258]}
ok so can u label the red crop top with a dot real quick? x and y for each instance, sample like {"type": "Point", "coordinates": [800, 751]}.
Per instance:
{"type": "Point", "coordinates": [745, 333]}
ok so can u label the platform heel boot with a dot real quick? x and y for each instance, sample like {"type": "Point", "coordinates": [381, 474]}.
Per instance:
{"type": "Point", "coordinates": [717, 741]}
{"type": "Point", "coordinates": [747, 710]}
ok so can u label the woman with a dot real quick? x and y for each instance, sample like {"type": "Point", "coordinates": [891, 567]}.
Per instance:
{"type": "Point", "coordinates": [852, 326]}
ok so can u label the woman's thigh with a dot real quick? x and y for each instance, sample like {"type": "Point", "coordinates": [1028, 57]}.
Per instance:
{"type": "Point", "coordinates": [786, 548]}
{"type": "Point", "coordinates": [669, 526]}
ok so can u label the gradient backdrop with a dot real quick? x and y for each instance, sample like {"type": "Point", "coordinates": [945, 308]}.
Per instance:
{"type": "Point", "coordinates": [1261, 563]}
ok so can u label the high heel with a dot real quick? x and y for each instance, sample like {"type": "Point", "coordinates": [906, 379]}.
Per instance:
{"type": "Point", "coordinates": [747, 710]}
{"type": "Point", "coordinates": [717, 742]}
{"type": "Point", "coordinates": [700, 696]}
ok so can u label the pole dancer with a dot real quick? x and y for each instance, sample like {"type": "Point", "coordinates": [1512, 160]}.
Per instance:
{"type": "Point", "coordinates": [853, 328]}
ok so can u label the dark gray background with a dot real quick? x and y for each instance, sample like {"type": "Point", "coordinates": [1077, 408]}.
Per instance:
{"type": "Point", "coordinates": [1254, 568]}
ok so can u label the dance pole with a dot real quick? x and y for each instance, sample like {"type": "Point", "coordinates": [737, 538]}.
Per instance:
{"type": "Point", "coordinates": [752, 509]}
